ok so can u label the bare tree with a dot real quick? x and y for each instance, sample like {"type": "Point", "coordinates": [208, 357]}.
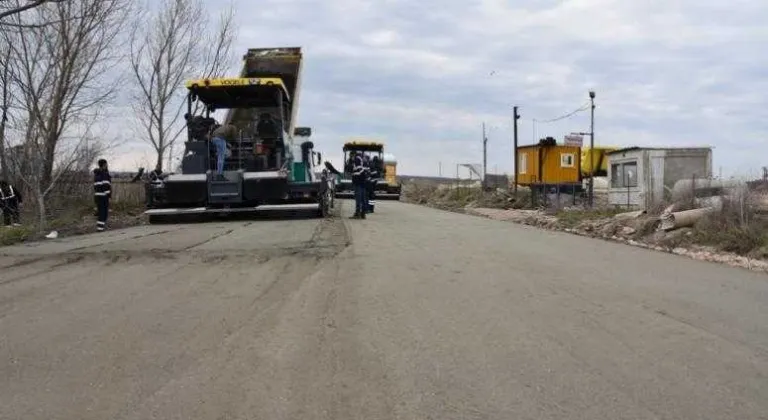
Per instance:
{"type": "Point", "coordinates": [8, 8]}
{"type": "Point", "coordinates": [5, 102]}
{"type": "Point", "coordinates": [72, 164]}
{"type": "Point", "coordinates": [174, 43]}
{"type": "Point", "coordinates": [61, 76]}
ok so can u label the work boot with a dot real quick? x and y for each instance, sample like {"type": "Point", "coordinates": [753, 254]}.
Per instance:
{"type": "Point", "coordinates": [355, 216]}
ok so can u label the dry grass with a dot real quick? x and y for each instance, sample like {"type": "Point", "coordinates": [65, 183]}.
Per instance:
{"type": "Point", "coordinates": [71, 210]}
{"type": "Point", "coordinates": [736, 228]}
{"type": "Point", "coordinates": [572, 218]}
{"type": "Point", "coordinates": [451, 197]}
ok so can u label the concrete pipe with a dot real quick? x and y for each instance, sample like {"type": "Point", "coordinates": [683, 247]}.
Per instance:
{"type": "Point", "coordinates": [677, 220]}
{"type": "Point", "coordinates": [714, 202]}
{"type": "Point", "coordinates": [685, 187]}
{"type": "Point", "coordinates": [758, 202]}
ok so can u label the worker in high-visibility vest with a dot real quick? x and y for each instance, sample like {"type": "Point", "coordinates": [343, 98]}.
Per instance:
{"type": "Point", "coordinates": [359, 182]}
{"type": "Point", "coordinates": [375, 176]}
{"type": "Point", "coordinates": [102, 192]}
{"type": "Point", "coordinates": [10, 198]}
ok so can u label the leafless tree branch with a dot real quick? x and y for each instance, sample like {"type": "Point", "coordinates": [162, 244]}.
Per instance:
{"type": "Point", "coordinates": [10, 8]}
{"type": "Point", "coordinates": [169, 46]}
{"type": "Point", "coordinates": [61, 74]}
{"type": "Point", "coordinates": [6, 102]}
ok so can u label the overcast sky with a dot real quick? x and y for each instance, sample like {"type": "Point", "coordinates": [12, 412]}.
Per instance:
{"type": "Point", "coordinates": [423, 76]}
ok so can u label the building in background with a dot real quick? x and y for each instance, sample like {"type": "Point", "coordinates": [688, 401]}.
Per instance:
{"type": "Point", "coordinates": [548, 165]}
{"type": "Point", "coordinates": [642, 177]}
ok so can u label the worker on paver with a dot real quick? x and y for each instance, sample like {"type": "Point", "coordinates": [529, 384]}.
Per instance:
{"type": "Point", "coordinates": [359, 180]}
{"type": "Point", "coordinates": [269, 133]}
{"type": "Point", "coordinates": [219, 138]}
{"type": "Point", "coordinates": [102, 190]}
{"type": "Point", "coordinates": [10, 198]}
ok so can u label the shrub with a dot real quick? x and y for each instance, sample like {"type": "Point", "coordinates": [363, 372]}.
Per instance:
{"type": "Point", "coordinates": [736, 228]}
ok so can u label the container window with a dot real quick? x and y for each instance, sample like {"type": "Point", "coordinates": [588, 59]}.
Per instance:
{"type": "Point", "coordinates": [523, 163]}
{"type": "Point", "coordinates": [616, 175]}
{"type": "Point", "coordinates": [567, 160]}
{"type": "Point", "coordinates": [630, 174]}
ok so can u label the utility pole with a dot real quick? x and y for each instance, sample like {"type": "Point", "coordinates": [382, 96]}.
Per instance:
{"type": "Point", "coordinates": [485, 157]}
{"type": "Point", "coordinates": [440, 169]}
{"type": "Point", "coordinates": [515, 117]}
{"type": "Point", "coordinates": [592, 149]}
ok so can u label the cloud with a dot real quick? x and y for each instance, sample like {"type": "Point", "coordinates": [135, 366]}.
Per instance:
{"type": "Point", "coordinates": [423, 76]}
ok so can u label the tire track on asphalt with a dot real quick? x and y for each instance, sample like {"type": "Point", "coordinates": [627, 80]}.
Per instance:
{"type": "Point", "coordinates": [37, 258]}
{"type": "Point", "coordinates": [67, 261]}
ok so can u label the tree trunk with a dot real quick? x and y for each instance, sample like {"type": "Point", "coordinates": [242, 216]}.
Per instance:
{"type": "Point", "coordinates": [159, 163]}
{"type": "Point", "coordinates": [41, 211]}
{"type": "Point", "coordinates": [49, 154]}
{"type": "Point", "coordinates": [3, 160]}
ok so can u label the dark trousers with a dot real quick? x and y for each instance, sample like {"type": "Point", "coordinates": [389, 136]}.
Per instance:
{"type": "Point", "coordinates": [10, 211]}
{"type": "Point", "coordinates": [371, 196]}
{"type": "Point", "coordinates": [102, 212]}
{"type": "Point", "coordinates": [361, 200]}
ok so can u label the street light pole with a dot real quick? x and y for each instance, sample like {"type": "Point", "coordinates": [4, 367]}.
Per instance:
{"type": "Point", "coordinates": [592, 149]}
{"type": "Point", "coordinates": [515, 117]}
{"type": "Point", "coordinates": [485, 157]}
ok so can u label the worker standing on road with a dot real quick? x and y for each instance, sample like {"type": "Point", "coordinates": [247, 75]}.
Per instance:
{"type": "Point", "coordinates": [359, 183]}
{"type": "Point", "coordinates": [367, 194]}
{"type": "Point", "coordinates": [375, 174]}
{"type": "Point", "coordinates": [10, 198]}
{"type": "Point", "coordinates": [102, 190]}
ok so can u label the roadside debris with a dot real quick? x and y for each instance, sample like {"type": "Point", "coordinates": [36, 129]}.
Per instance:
{"type": "Point", "coordinates": [685, 218]}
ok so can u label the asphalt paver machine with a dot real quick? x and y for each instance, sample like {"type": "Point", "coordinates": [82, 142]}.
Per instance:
{"type": "Point", "coordinates": [279, 170]}
{"type": "Point", "coordinates": [387, 187]}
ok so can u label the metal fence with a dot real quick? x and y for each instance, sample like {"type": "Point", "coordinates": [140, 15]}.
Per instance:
{"type": "Point", "coordinates": [556, 196]}
{"type": "Point", "coordinates": [496, 181]}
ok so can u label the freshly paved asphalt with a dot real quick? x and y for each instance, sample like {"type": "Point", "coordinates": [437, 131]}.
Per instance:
{"type": "Point", "coordinates": [413, 313]}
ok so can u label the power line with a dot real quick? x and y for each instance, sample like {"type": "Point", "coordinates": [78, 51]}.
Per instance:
{"type": "Point", "coordinates": [568, 115]}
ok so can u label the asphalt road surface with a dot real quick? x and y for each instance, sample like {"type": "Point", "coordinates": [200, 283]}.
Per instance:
{"type": "Point", "coordinates": [411, 314]}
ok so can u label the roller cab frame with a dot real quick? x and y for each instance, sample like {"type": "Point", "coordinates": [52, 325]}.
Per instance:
{"type": "Point", "coordinates": [260, 173]}
{"type": "Point", "coordinates": [386, 188]}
